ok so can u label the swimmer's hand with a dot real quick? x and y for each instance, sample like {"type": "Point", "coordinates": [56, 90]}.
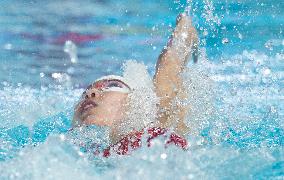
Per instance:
{"type": "Point", "coordinates": [184, 40]}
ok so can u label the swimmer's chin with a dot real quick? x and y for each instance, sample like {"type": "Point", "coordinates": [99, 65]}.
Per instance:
{"type": "Point", "coordinates": [92, 120]}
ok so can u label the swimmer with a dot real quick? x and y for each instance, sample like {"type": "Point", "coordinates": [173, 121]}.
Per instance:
{"type": "Point", "coordinates": [104, 103]}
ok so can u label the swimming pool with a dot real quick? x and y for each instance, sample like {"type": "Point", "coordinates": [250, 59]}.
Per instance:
{"type": "Point", "coordinates": [242, 53]}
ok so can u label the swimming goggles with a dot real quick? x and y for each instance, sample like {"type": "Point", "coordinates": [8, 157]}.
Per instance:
{"type": "Point", "coordinates": [110, 83]}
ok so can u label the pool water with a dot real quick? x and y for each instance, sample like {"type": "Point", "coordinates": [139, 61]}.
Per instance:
{"type": "Point", "coordinates": [237, 117]}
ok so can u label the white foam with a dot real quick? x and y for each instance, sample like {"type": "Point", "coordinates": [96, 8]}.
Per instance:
{"type": "Point", "coordinates": [57, 159]}
{"type": "Point", "coordinates": [142, 100]}
{"type": "Point", "coordinates": [25, 105]}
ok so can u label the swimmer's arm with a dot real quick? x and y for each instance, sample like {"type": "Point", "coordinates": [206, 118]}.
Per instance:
{"type": "Point", "coordinates": [167, 80]}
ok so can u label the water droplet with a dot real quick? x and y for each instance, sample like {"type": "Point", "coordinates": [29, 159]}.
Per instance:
{"type": "Point", "coordinates": [205, 33]}
{"type": "Point", "coordinates": [41, 74]}
{"type": "Point", "coordinates": [80, 153]}
{"type": "Point", "coordinates": [163, 156]}
{"type": "Point", "coordinates": [56, 75]}
{"type": "Point", "coordinates": [71, 49]}
{"type": "Point", "coordinates": [225, 40]}
{"type": "Point", "coordinates": [62, 137]}
{"type": "Point", "coordinates": [8, 46]}
{"type": "Point", "coordinates": [240, 35]}
{"type": "Point", "coordinates": [266, 72]}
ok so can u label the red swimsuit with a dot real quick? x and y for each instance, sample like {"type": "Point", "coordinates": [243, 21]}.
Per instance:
{"type": "Point", "coordinates": [133, 141]}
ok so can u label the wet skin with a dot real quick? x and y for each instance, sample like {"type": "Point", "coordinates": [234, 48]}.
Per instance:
{"type": "Point", "coordinates": [109, 108]}
{"type": "Point", "coordinates": [100, 108]}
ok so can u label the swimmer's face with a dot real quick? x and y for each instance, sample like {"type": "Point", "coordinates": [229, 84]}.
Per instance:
{"type": "Point", "coordinates": [101, 104]}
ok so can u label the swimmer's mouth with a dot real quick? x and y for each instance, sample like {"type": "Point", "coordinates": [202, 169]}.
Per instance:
{"type": "Point", "coordinates": [87, 105]}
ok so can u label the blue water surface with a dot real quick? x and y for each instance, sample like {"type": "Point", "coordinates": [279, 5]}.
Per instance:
{"type": "Point", "coordinates": [242, 52]}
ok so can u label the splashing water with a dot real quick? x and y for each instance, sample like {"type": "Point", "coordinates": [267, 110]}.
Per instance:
{"type": "Point", "coordinates": [71, 49]}
{"type": "Point", "coordinates": [202, 160]}
{"type": "Point", "coordinates": [235, 98]}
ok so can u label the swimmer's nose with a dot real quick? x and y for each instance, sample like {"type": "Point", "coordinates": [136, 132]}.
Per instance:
{"type": "Point", "coordinates": [91, 93]}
